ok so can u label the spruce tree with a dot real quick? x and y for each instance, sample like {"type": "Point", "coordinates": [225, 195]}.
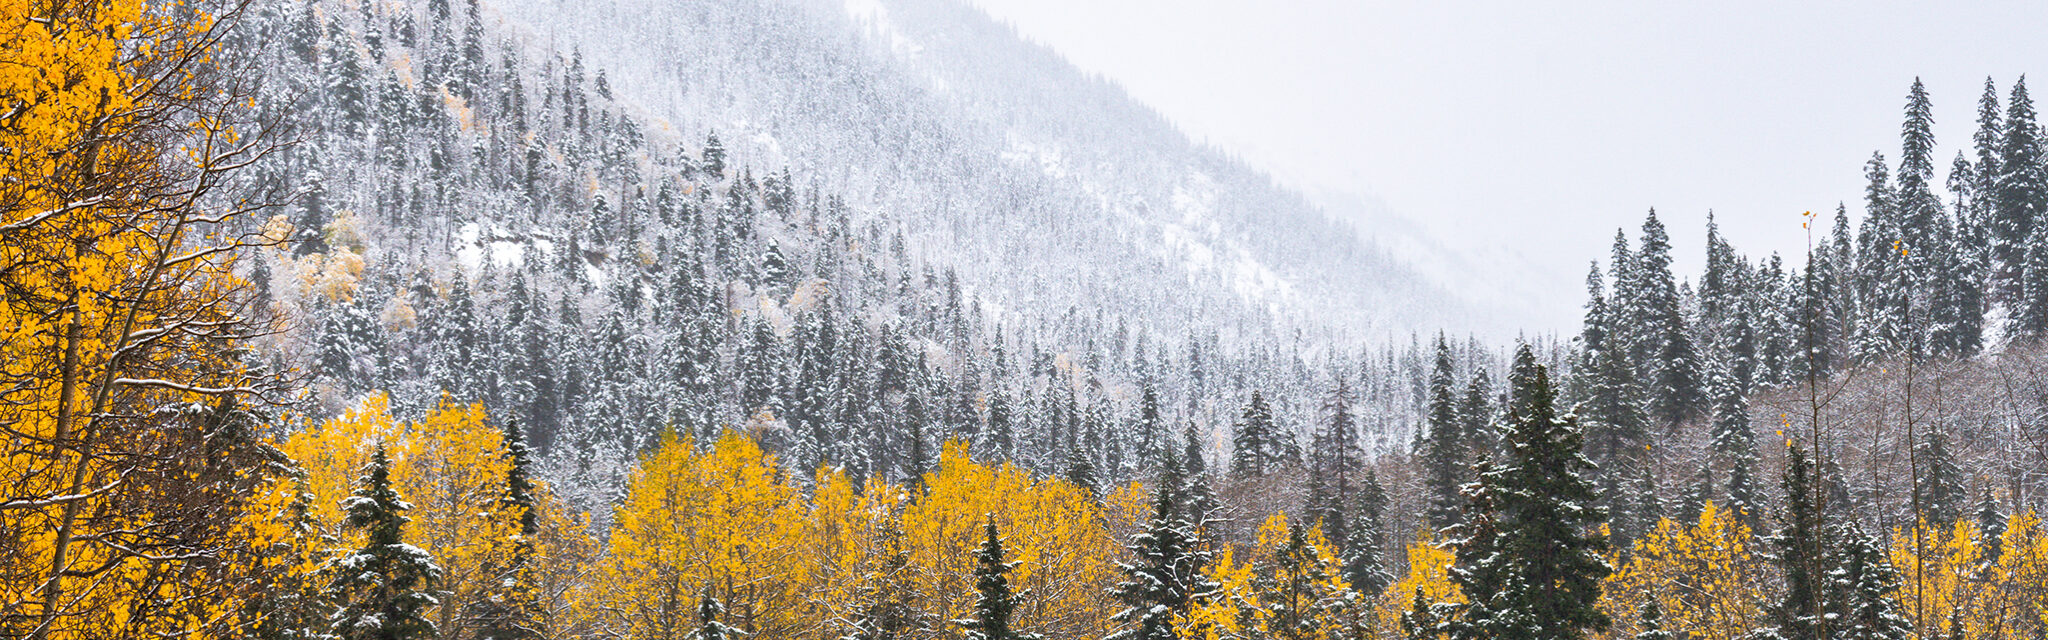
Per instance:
{"type": "Point", "coordinates": [1665, 345]}
{"type": "Point", "coordinates": [2030, 312]}
{"type": "Point", "coordinates": [1201, 498]}
{"type": "Point", "coordinates": [1612, 411]}
{"type": "Point", "coordinates": [2019, 190]}
{"type": "Point", "coordinates": [295, 607]}
{"type": "Point", "coordinates": [384, 589]}
{"type": "Point", "coordinates": [1256, 442]}
{"type": "Point", "coordinates": [887, 608]}
{"type": "Point", "coordinates": [1942, 494]}
{"type": "Point", "coordinates": [1365, 557]}
{"type": "Point", "coordinates": [995, 603]}
{"type": "Point", "coordinates": [1167, 571]}
{"type": "Point", "coordinates": [709, 626]}
{"type": "Point", "coordinates": [1335, 456]}
{"type": "Point", "coordinates": [1531, 553]}
{"type": "Point", "coordinates": [1984, 170]}
{"type": "Point", "coordinates": [1801, 553]}
{"type": "Point", "coordinates": [1294, 588]}
{"type": "Point", "coordinates": [1153, 445]}
{"type": "Point", "coordinates": [1867, 580]}
{"type": "Point", "coordinates": [713, 161]}
{"type": "Point", "coordinates": [1420, 621]}
{"type": "Point", "coordinates": [1880, 278]}
{"type": "Point", "coordinates": [1444, 453]}
{"type": "Point", "coordinates": [511, 608]}
{"type": "Point", "coordinates": [1991, 525]}
{"type": "Point", "coordinates": [1652, 616]}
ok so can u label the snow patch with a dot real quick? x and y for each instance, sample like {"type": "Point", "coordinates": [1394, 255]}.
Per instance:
{"type": "Point", "coordinates": [471, 245]}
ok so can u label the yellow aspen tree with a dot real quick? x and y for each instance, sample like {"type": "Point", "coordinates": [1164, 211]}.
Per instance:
{"type": "Point", "coordinates": [1429, 573]}
{"type": "Point", "coordinates": [1289, 588]}
{"type": "Point", "coordinates": [1705, 576]}
{"type": "Point", "coordinates": [859, 581]}
{"type": "Point", "coordinates": [452, 466]}
{"type": "Point", "coordinates": [126, 462]}
{"type": "Point", "coordinates": [1231, 611]}
{"type": "Point", "coordinates": [2018, 604]}
{"type": "Point", "coordinates": [724, 522]}
{"type": "Point", "coordinates": [1955, 585]}
{"type": "Point", "coordinates": [1052, 528]}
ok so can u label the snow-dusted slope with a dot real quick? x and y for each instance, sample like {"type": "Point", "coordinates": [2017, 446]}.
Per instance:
{"type": "Point", "coordinates": [1048, 187]}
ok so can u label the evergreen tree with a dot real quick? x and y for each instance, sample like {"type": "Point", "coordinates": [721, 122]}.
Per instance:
{"type": "Point", "coordinates": [512, 610]}
{"type": "Point", "coordinates": [1991, 524]}
{"type": "Point", "coordinates": [1420, 621]}
{"type": "Point", "coordinates": [2030, 313]}
{"type": "Point", "coordinates": [384, 589]}
{"type": "Point", "coordinates": [2019, 188]}
{"type": "Point", "coordinates": [1150, 431]}
{"type": "Point", "coordinates": [1942, 495]}
{"type": "Point", "coordinates": [713, 162]}
{"type": "Point", "coordinates": [1201, 498]}
{"type": "Point", "coordinates": [1801, 554]}
{"type": "Point", "coordinates": [1297, 590]}
{"type": "Point", "coordinates": [1867, 581]}
{"type": "Point", "coordinates": [1665, 346]}
{"type": "Point", "coordinates": [1643, 505]}
{"type": "Point", "coordinates": [888, 608]}
{"type": "Point", "coordinates": [1530, 557]}
{"type": "Point", "coordinates": [762, 371]}
{"type": "Point", "coordinates": [1984, 170]}
{"type": "Point", "coordinates": [1335, 456]}
{"type": "Point", "coordinates": [1365, 557]}
{"type": "Point", "coordinates": [1612, 411]}
{"type": "Point", "coordinates": [1444, 454]}
{"type": "Point", "coordinates": [1743, 498]}
{"type": "Point", "coordinates": [1000, 436]}
{"type": "Point", "coordinates": [295, 608]}
{"type": "Point", "coordinates": [1256, 444]}
{"type": "Point", "coordinates": [1475, 414]}
{"type": "Point", "coordinates": [1881, 289]}
{"type": "Point", "coordinates": [995, 604]}
{"type": "Point", "coordinates": [1652, 616]}
{"type": "Point", "coordinates": [709, 627]}
{"type": "Point", "coordinates": [1167, 571]}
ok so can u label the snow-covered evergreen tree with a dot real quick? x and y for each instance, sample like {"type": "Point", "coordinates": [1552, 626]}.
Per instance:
{"type": "Point", "coordinates": [994, 603]}
{"type": "Point", "coordinates": [1444, 452]}
{"type": "Point", "coordinates": [383, 590]}
{"type": "Point", "coordinates": [1867, 581]}
{"type": "Point", "coordinates": [1530, 555]}
{"type": "Point", "coordinates": [1166, 572]}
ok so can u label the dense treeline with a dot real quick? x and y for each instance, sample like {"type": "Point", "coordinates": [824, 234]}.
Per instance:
{"type": "Point", "coordinates": [342, 322]}
{"type": "Point", "coordinates": [1924, 302]}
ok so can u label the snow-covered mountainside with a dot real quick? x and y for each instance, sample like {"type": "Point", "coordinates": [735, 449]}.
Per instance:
{"type": "Point", "coordinates": [1050, 187]}
{"type": "Point", "coordinates": [854, 232]}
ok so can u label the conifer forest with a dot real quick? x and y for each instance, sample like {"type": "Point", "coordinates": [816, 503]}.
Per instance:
{"type": "Point", "coordinates": [432, 320]}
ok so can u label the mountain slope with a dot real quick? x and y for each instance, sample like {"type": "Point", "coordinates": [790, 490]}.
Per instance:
{"type": "Point", "coordinates": [1051, 187]}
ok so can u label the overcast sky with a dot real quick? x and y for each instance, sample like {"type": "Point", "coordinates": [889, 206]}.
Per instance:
{"type": "Point", "coordinates": [1529, 130]}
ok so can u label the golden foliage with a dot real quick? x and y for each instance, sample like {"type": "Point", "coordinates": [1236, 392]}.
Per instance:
{"type": "Point", "coordinates": [1988, 592]}
{"type": "Point", "coordinates": [1052, 528]}
{"type": "Point", "coordinates": [725, 520]}
{"type": "Point", "coordinates": [786, 565]}
{"type": "Point", "coordinates": [1429, 570]}
{"type": "Point", "coordinates": [1284, 589]}
{"type": "Point", "coordinates": [452, 466]}
{"type": "Point", "coordinates": [128, 470]}
{"type": "Point", "coordinates": [1706, 576]}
